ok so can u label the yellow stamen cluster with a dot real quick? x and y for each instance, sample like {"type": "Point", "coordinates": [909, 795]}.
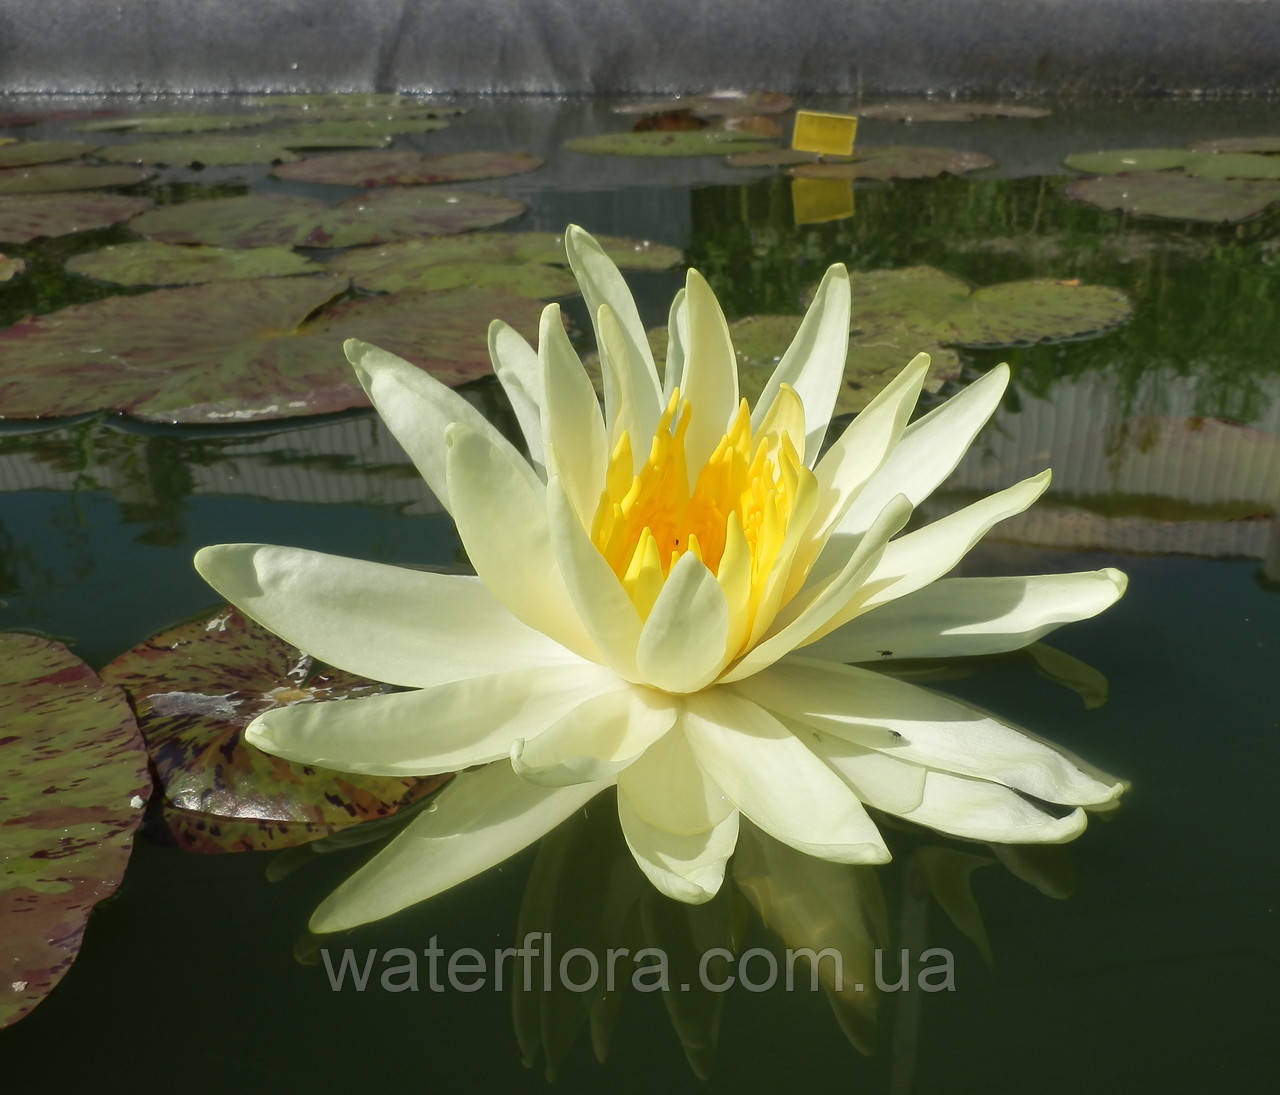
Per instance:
{"type": "Point", "coordinates": [740, 503]}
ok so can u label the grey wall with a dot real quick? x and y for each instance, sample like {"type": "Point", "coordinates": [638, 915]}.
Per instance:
{"type": "Point", "coordinates": [595, 46]}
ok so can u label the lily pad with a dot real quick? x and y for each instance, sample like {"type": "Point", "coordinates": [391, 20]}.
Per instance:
{"type": "Point", "coordinates": [150, 263]}
{"type": "Point", "coordinates": [259, 220]}
{"type": "Point", "coordinates": [1233, 165]}
{"type": "Point", "coordinates": [195, 688]}
{"type": "Point", "coordinates": [697, 142]}
{"type": "Point", "coordinates": [1239, 144]}
{"type": "Point", "coordinates": [208, 151]}
{"type": "Point", "coordinates": [10, 268]}
{"type": "Point", "coordinates": [75, 176]}
{"type": "Point", "coordinates": [931, 110]}
{"type": "Point", "coordinates": [73, 787]}
{"type": "Point", "coordinates": [180, 123]}
{"type": "Point", "coordinates": [1127, 160]}
{"type": "Point", "coordinates": [719, 106]}
{"type": "Point", "coordinates": [1177, 197]}
{"type": "Point", "coordinates": [23, 219]}
{"type": "Point", "coordinates": [24, 153]}
{"type": "Point", "coordinates": [779, 157]}
{"type": "Point", "coordinates": [237, 351]}
{"type": "Point", "coordinates": [897, 162]}
{"type": "Point", "coordinates": [404, 167]}
{"type": "Point", "coordinates": [338, 133]}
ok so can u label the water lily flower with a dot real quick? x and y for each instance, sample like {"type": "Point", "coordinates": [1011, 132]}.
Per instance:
{"type": "Point", "coordinates": [668, 597]}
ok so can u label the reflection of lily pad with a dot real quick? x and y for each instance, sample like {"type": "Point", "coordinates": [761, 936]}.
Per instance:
{"type": "Point", "coordinates": [897, 162]}
{"type": "Point", "coordinates": [73, 785]}
{"type": "Point", "coordinates": [930, 110]}
{"type": "Point", "coordinates": [23, 219]}
{"type": "Point", "coordinates": [1176, 196]}
{"type": "Point", "coordinates": [150, 263]}
{"type": "Point", "coordinates": [404, 167]}
{"type": "Point", "coordinates": [209, 151]}
{"type": "Point", "coordinates": [22, 153]}
{"type": "Point", "coordinates": [75, 176]}
{"type": "Point", "coordinates": [1127, 160]}
{"type": "Point", "coordinates": [195, 688]}
{"type": "Point", "coordinates": [259, 220]}
{"type": "Point", "coordinates": [697, 142]}
{"type": "Point", "coordinates": [719, 106]}
{"type": "Point", "coordinates": [237, 351]}
{"type": "Point", "coordinates": [1238, 144]}
{"type": "Point", "coordinates": [10, 268]}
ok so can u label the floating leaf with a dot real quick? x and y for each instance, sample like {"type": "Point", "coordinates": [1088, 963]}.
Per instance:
{"type": "Point", "coordinates": [368, 132]}
{"type": "Point", "coordinates": [76, 176]}
{"type": "Point", "coordinates": [699, 142]}
{"type": "Point", "coordinates": [73, 785]}
{"type": "Point", "coordinates": [259, 220]}
{"type": "Point", "coordinates": [10, 268]}
{"type": "Point", "coordinates": [195, 688]}
{"type": "Point", "coordinates": [1233, 165]}
{"type": "Point", "coordinates": [721, 106]}
{"type": "Point", "coordinates": [1127, 160]}
{"type": "Point", "coordinates": [209, 151]}
{"type": "Point", "coordinates": [897, 162]}
{"type": "Point", "coordinates": [930, 110]}
{"type": "Point", "coordinates": [404, 167]}
{"type": "Point", "coordinates": [779, 157]}
{"type": "Point", "coordinates": [151, 263]}
{"type": "Point", "coordinates": [23, 219]}
{"type": "Point", "coordinates": [1238, 144]}
{"type": "Point", "coordinates": [181, 123]}
{"type": "Point", "coordinates": [237, 351]}
{"type": "Point", "coordinates": [527, 279]}
{"type": "Point", "coordinates": [1176, 196]}
{"type": "Point", "coordinates": [23, 153]}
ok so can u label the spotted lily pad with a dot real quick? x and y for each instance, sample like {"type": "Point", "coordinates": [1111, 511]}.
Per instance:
{"type": "Point", "coordinates": [1177, 196]}
{"type": "Point", "coordinates": [932, 110]}
{"type": "Point", "coordinates": [150, 263]}
{"type": "Point", "coordinates": [1239, 144]}
{"type": "Point", "coordinates": [697, 142]}
{"type": "Point", "coordinates": [73, 786]}
{"type": "Point", "coordinates": [897, 162]}
{"type": "Point", "coordinates": [718, 106]}
{"type": "Point", "coordinates": [237, 351]}
{"type": "Point", "coordinates": [28, 218]}
{"type": "Point", "coordinates": [404, 167]}
{"type": "Point", "coordinates": [195, 688]}
{"type": "Point", "coordinates": [1127, 160]}
{"type": "Point", "coordinates": [25, 153]}
{"type": "Point", "coordinates": [260, 220]}
{"type": "Point", "coordinates": [10, 267]}
{"type": "Point", "coordinates": [207, 151]}
{"type": "Point", "coordinates": [73, 176]}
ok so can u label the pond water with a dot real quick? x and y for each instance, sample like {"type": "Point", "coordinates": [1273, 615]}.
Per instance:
{"type": "Point", "coordinates": [1142, 957]}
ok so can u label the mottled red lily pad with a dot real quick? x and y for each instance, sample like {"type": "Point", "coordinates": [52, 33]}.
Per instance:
{"type": "Point", "coordinates": [260, 220]}
{"type": "Point", "coordinates": [24, 153]}
{"type": "Point", "coordinates": [1177, 196]}
{"type": "Point", "coordinates": [237, 351]}
{"type": "Point", "coordinates": [150, 263]}
{"type": "Point", "coordinates": [195, 688]}
{"type": "Point", "coordinates": [28, 218]}
{"type": "Point", "coordinates": [73, 787]}
{"type": "Point", "coordinates": [404, 167]}
{"type": "Point", "coordinates": [10, 267]}
{"type": "Point", "coordinates": [209, 151]}
{"type": "Point", "coordinates": [933, 110]}
{"type": "Point", "coordinates": [73, 176]}
{"type": "Point", "coordinates": [897, 162]}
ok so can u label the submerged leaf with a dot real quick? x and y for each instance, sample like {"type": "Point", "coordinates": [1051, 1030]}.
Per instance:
{"type": "Point", "coordinates": [149, 263]}
{"type": "Point", "coordinates": [24, 219]}
{"type": "Point", "coordinates": [404, 167]}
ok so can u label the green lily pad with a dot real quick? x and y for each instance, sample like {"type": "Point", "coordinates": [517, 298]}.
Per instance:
{"type": "Point", "coordinates": [195, 688]}
{"type": "Point", "coordinates": [404, 167]}
{"type": "Point", "coordinates": [23, 219]}
{"type": "Point", "coordinates": [695, 142]}
{"type": "Point", "coordinates": [237, 351]}
{"type": "Point", "coordinates": [10, 267]}
{"type": "Point", "coordinates": [931, 110]}
{"type": "Point", "coordinates": [1238, 144]}
{"type": "Point", "coordinates": [213, 151]}
{"type": "Point", "coordinates": [25, 153]}
{"type": "Point", "coordinates": [779, 157]}
{"type": "Point", "coordinates": [260, 220]}
{"type": "Point", "coordinates": [1233, 165]}
{"type": "Point", "coordinates": [349, 133]}
{"type": "Point", "coordinates": [75, 176]}
{"type": "Point", "coordinates": [897, 162]}
{"type": "Point", "coordinates": [718, 106]}
{"type": "Point", "coordinates": [1176, 196]}
{"type": "Point", "coordinates": [73, 787]}
{"type": "Point", "coordinates": [1127, 160]}
{"type": "Point", "coordinates": [180, 123]}
{"type": "Point", "coordinates": [150, 263]}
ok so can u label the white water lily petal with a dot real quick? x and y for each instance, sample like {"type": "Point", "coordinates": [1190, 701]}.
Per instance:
{"type": "Point", "coordinates": [575, 440]}
{"type": "Point", "coordinates": [417, 409]}
{"type": "Point", "coordinates": [430, 730]}
{"type": "Point", "coordinates": [502, 522]}
{"type": "Point", "coordinates": [597, 739]}
{"type": "Point", "coordinates": [686, 867]}
{"type": "Point", "coordinates": [776, 781]}
{"type": "Point", "coordinates": [935, 731]}
{"type": "Point", "coordinates": [669, 789]}
{"type": "Point", "coordinates": [968, 616]}
{"type": "Point", "coordinates": [710, 384]}
{"type": "Point", "coordinates": [682, 644]}
{"type": "Point", "coordinates": [478, 820]}
{"type": "Point", "coordinates": [814, 362]}
{"type": "Point", "coordinates": [928, 450]}
{"type": "Point", "coordinates": [516, 365]}
{"type": "Point", "coordinates": [878, 778]}
{"type": "Point", "coordinates": [401, 626]}
{"type": "Point", "coordinates": [677, 341]}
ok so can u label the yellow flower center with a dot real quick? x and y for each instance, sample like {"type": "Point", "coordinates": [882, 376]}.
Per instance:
{"type": "Point", "coordinates": [741, 503]}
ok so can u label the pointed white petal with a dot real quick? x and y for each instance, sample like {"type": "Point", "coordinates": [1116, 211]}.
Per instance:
{"type": "Point", "coordinates": [686, 867]}
{"type": "Point", "coordinates": [968, 616]}
{"type": "Point", "coordinates": [710, 382]}
{"type": "Point", "coordinates": [814, 362]}
{"type": "Point", "coordinates": [775, 780]}
{"type": "Point", "coordinates": [391, 624]}
{"type": "Point", "coordinates": [478, 820]}
{"type": "Point", "coordinates": [417, 408]}
{"type": "Point", "coordinates": [682, 645]}
{"type": "Point", "coordinates": [516, 365]}
{"type": "Point", "coordinates": [430, 730]}
{"type": "Point", "coordinates": [669, 789]}
{"type": "Point", "coordinates": [677, 341]}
